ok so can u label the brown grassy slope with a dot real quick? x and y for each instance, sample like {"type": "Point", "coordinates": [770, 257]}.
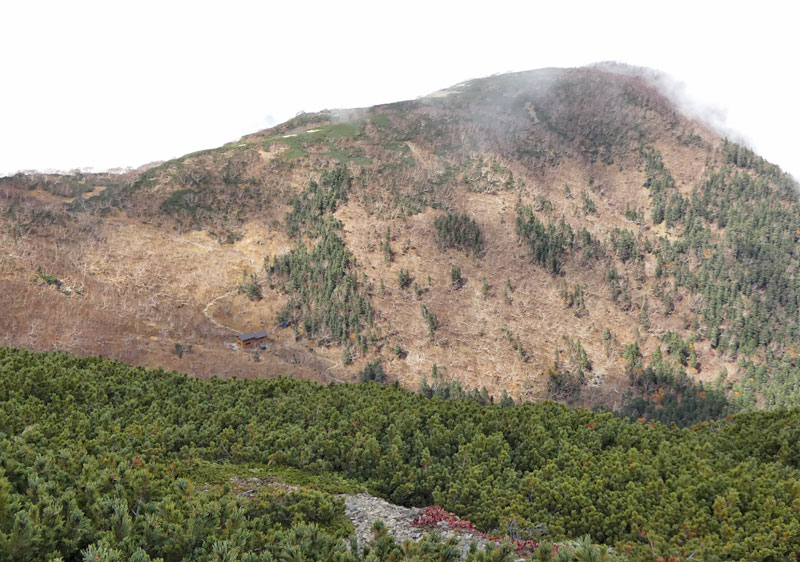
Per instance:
{"type": "Point", "coordinates": [152, 252]}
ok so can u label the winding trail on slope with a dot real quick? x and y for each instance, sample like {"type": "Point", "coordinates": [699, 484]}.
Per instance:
{"type": "Point", "coordinates": [211, 319]}
{"type": "Point", "coordinates": [232, 292]}
{"type": "Point", "coordinates": [332, 364]}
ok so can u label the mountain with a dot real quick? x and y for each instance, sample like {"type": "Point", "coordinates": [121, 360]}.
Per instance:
{"type": "Point", "coordinates": [560, 233]}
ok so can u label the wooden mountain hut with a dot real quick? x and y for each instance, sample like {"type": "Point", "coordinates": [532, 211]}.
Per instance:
{"type": "Point", "coordinates": [253, 340]}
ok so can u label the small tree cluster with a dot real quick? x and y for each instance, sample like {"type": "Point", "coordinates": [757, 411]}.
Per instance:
{"type": "Point", "coordinates": [316, 204]}
{"type": "Point", "coordinates": [455, 277]}
{"type": "Point", "coordinates": [431, 320]}
{"type": "Point", "coordinates": [574, 298]}
{"type": "Point", "coordinates": [386, 247]}
{"type": "Point", "coordinates": [373, 372]}
{"type": "Point", "coordinates": [250, 286]}
{"type": "Point", "coordinates": [403, 278]}
{"type": "Point", "coordinates": [547, 245]}
{"type": "Point", "coordinates": [460, 232]}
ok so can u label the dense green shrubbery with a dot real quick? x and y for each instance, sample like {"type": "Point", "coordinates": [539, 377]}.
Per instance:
{"type": "Point", "coordinates": [89, 450]}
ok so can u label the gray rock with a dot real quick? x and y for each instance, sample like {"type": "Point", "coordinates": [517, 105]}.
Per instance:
{"type": "Point", "coordinates": [364, 509]}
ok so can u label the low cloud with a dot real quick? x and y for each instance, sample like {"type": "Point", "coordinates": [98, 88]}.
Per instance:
{"type": "Point", "coordinates": [715, 117]}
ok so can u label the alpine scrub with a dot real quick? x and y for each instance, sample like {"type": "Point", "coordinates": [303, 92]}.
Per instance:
{"type": "Point", "coordinates": [99, 457]}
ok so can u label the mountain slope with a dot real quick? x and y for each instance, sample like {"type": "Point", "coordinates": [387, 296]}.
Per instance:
{"type": "Point", "coordinates": [555, 233]}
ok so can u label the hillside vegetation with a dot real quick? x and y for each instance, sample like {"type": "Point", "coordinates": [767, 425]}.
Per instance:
{"type": "Point", "coordinates": [100, 461]}
{"type": "Point", "coordinates": [558, 234]}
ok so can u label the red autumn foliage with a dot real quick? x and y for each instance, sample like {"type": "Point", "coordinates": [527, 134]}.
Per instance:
{"type": "Point", "coordinates": [432, 515]}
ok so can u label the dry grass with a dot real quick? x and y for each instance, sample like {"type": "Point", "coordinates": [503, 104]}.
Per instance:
{"type": "Point", "coordinates": [146, 283]}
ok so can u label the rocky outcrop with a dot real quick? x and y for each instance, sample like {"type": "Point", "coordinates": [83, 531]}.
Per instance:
{"type": "Point", "coordinates": [403, 523]}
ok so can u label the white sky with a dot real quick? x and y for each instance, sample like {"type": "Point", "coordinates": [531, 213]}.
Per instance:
{"type": "Point", "coordinates": [122, 83]}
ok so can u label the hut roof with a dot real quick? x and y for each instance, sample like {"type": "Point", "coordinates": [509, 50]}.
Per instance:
{"type": "Point", "coordinates": [253, 335]}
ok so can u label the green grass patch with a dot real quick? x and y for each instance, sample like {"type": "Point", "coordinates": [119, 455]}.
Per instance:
{"type": "Point", "coordinates": [343, 157]}
{"type": "Point", "coordinates": [204, 472]}
{"type": "Point", "coordinates": [337, 131]}
{"type": "Point", "coordinates": [295, 143]}
{"type": "Point", "coordinates": [295, 152]}
{"type": "Point", "coordinates": [382, 121]}
{"type": "Point", "coordinates": [299, 143]}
